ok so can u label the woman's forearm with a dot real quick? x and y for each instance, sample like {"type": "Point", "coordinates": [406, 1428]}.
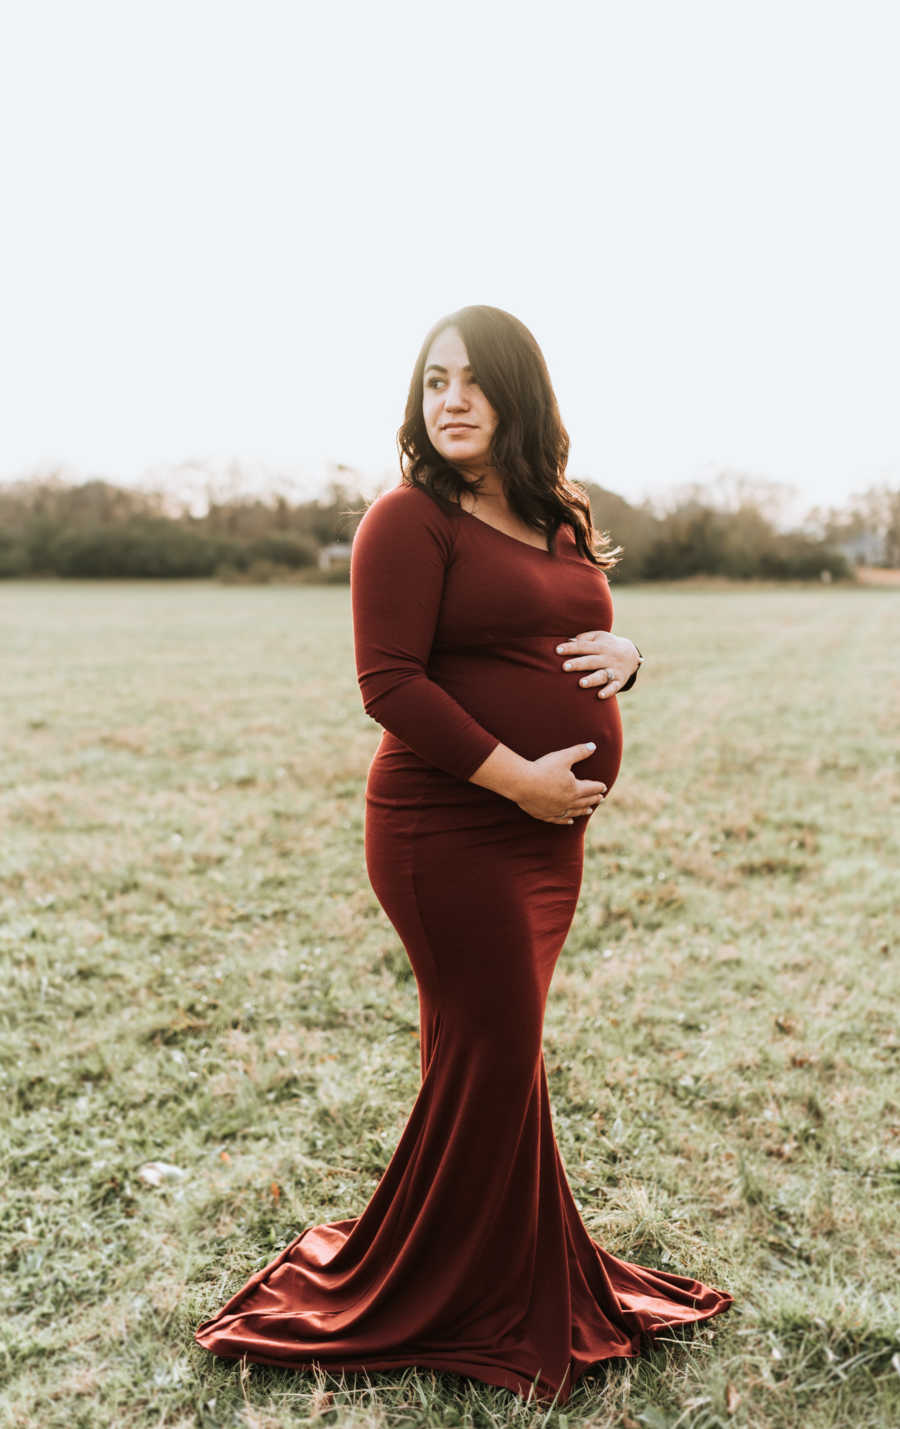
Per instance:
{"type": "Point", "coordinates": [505, 772]}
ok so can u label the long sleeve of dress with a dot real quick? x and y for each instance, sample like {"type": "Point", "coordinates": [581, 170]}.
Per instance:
{"type": "Point", "coordinates": [397, 568]}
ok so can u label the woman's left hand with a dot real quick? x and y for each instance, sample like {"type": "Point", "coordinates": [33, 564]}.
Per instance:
{"type": "Point", "coordinates": [612, 659]}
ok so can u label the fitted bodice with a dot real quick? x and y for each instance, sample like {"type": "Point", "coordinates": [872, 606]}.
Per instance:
{"type": "Point", "coordinates": [506, 605]}
{"type": "Point", "coordinates": [483, 612]}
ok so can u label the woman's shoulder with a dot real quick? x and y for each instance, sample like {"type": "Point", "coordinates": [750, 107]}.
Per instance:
{"type": "Point", "coordinates": [407, 496]}
{"type": "Point", "coordinates": [407, 508]}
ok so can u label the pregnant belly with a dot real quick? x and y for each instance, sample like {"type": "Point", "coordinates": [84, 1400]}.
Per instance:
{"type": "Point", "coordinates": [521, 694]}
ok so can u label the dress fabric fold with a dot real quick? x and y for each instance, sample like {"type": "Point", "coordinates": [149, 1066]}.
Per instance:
{"type": "Point", "coordinates": [471, 1255]}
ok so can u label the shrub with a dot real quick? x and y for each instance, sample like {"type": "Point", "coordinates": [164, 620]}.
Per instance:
{"type": "Point", "coordinates": [141, 546]}
{"type": "Point", "coordinates": [284, 550]}
{"type": "Point", "coordinates": [14, 557]}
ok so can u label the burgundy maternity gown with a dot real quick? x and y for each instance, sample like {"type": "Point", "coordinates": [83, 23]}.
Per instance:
{"type": "Point", "coordinates": [471, 1255]}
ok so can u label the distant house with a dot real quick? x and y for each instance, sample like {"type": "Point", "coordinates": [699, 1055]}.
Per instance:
{"type": "Point", "coordinates": [865, 548]}
{"type": "Point", "coordinates": [337, 554]}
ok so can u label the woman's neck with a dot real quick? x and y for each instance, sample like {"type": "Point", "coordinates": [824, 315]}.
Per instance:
{"type": "Point", "coordinates": [491, 489]}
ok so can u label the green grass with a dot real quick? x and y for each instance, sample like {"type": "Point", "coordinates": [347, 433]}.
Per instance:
{"type": "Point", "coordinates": [197, 971]}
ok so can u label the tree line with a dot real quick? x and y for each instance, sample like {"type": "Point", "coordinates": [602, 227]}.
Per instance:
{"type": "Point", "coordinates": [95, 528]}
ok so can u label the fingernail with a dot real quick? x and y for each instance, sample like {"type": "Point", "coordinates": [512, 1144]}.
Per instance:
{"type": "Point", "coordinates": [560, 649]}
{"type": "Point", "coordinates": [591, 744]}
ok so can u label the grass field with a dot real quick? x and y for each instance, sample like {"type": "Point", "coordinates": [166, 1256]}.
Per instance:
{"type": "Point", "coordinates": [197, 972]}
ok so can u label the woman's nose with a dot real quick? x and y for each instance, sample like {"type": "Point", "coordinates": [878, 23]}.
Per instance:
{"type": "Point", "coordinates": [453, 398]}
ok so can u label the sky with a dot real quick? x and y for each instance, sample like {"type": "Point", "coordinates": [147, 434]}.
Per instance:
{"type": "Point", "coordinates": [228, 226]}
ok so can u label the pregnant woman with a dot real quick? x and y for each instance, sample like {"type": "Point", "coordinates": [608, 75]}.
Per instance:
{"type": "Point", "coordinates": [471, 583]}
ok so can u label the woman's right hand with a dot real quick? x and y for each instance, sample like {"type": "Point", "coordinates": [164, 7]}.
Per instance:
{"type": "Point", "coordinates": [556, 795]}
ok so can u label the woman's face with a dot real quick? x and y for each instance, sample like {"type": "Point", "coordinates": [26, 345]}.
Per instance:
{"type": "Point", "coordinates": [459, 419]}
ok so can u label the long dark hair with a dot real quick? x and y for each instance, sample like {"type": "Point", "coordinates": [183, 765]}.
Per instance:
{"type": "Point", "coordinates": [530, 447]}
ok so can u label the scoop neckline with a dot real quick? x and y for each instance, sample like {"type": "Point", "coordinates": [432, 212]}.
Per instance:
{"type": "Point", "coordinates": [541, 550]}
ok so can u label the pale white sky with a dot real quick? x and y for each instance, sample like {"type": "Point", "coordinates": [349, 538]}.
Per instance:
{"type": "Point", "coordinates": [227, 226]}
